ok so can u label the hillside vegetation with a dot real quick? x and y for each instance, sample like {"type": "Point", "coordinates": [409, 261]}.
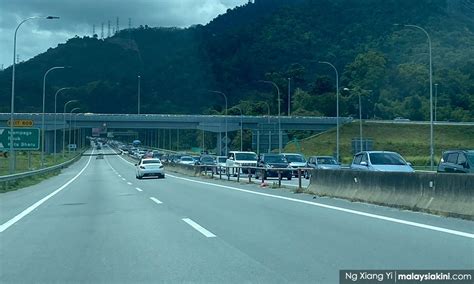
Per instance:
{"type": "Point", "coordinates": [410, 140]}
{"type": "Point", "coordinates": [387, 65]}
{"type": "Point", "coordinates": [272, 40]}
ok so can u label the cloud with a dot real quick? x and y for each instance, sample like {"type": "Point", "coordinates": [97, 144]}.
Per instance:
{"type": "Point", "coordinates": [78, 17]}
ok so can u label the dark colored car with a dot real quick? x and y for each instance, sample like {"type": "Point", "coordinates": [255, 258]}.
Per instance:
{"type": "Point", "coordinates": [457, 161]}
{"type": "Point", "coordinates": [157, 154]}
{"type": "Point", "coordinates": [207, 160]}
{"type": "Point", "coordinates": [269, 162]}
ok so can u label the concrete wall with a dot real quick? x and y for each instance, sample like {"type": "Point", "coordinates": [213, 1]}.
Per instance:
{"type": "Point", "coordinates": [444, 194]}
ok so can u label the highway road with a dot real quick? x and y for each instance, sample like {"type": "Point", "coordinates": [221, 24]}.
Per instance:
{"type": "Point", "coordinates": [96, 223]}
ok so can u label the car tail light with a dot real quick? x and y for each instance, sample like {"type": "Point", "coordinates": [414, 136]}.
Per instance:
{"type": "Point", "coordinates": [142, 167]}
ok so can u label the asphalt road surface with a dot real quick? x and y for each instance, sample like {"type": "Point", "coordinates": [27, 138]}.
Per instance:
{"type": "Point", "coordinates": [96, 223]}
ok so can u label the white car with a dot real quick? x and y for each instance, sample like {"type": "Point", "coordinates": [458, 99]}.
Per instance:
{"type": "Point", "coordinates": [187, 160]}
{"type": "Point", "coordinates": [296, 161]}
{"type": "Point", "coordinates": [241, 159]}
{"type": "Point", "coordinates": [380, 161]}
{"type": "Point", "coordinates": [221, 163]}
{"type": "Point", "coordinates": [150, 167]}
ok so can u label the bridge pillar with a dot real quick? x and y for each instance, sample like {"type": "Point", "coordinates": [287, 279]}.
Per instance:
{"type": "Point", "coordinates": [49, 142]}
{"type": "Point", "coordinates": [222, 144]}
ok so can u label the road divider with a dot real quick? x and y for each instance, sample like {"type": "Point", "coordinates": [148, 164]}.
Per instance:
{"type": "Point", "coordinates": [438, 193]}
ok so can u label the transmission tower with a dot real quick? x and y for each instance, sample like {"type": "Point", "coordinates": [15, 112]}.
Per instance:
{"type": "Point", "coordinates": [102, 32]}
{"type": "Point", "coordinates": [117, 29]}
{"type": "Point", "coordinates": [108, 28]}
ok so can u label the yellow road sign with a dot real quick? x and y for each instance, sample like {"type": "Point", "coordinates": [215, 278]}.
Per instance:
{"type": "Point", "coordinates": [21, 123]}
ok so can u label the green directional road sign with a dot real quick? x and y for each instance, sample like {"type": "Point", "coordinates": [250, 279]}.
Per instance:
{"type": "Point", "coordinates": [23, 138]}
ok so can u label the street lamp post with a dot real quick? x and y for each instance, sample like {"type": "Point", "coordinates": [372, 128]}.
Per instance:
{"type": "Point", "coordinates": [269, 132]}
{"type": "Point", "coordinates": [138, 104]}
{"type": "Point", "coordinates": [241, 127]}
{"type": "Point", "coordinates": [12, 109]}
{"type": "Point", "coordinates": [64, 124]}
{"type": "Point", "coordinates": [225, 97]}
{"type": "Point", "coordinates": [55, 113]}
{"type": "Point", "coordinates": [360, 119]}
{"type": "Point", "coordinates": [75, 131]}
{"type": "Point", "coordinates": [42, 117]}
{"type": "Point", "coordinates": [436, 102]}
{"type": "Point", "coordinates": [431, 92]}
{"type": "Point", "coordinates": [70, 124]}
{"type": "Point", "coordinates": [289, 96]}
{"type": "Point", "coordinates": [337, 106]}
{"type": "Point", "coordinates": [279, 119]}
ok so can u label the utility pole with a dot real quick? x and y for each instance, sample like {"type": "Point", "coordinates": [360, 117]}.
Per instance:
{"type": "Point", "coordinates": [289, 96]}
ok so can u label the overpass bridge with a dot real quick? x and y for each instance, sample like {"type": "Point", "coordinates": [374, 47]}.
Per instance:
{"type": "Point", "coordinates": [264, 128]}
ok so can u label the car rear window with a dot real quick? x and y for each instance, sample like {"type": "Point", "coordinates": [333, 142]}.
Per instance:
{"type": "Point", "coordinates": [386, 159]}
{"type": "Point", "coordinates": [295, 158]}
{"type": "Point", "coordinates": [246, 156]}
{"type": "Point", "coordinates": [151, 162]}
{"type": "Point", "coordinates": [274, 159]}
{"type": "Point", "coordinates": [452, 158]}
{"type": "Point", "coordinates": [327, 161]}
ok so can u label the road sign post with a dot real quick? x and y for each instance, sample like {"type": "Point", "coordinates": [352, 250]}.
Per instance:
{"type": "Point", "coordinates": [23, 138]}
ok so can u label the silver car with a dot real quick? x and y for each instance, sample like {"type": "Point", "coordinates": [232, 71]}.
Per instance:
{"type": "Point", "coordinates": [382, 161]}
{"type": "Point", "coordinates": [296, 161]}
{"type": "Point", "coordinates": [149, 167]}
{"type": "Point", "coordinates": [321, 163]}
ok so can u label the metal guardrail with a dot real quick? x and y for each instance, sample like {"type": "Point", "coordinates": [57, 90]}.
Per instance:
{"type": "Point", "coordinates": [251, 171]}
{"type": "Point", "coordinates": [7, 178]}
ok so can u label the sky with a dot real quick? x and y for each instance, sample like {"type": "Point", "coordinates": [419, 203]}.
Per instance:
{"type": "Point", "coordinates": [77, 17]}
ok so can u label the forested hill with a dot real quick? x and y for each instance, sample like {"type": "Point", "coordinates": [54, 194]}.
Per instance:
{"type": "Point", "coordinates": [272, 40]}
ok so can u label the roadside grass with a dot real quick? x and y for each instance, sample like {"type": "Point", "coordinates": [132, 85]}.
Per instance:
{"type": "Point", "coordinates": [25, 182]}
{"type": "Point", "coordinates": [35, 163]}
{"type": "Point", "coordinates": [22, 161]}
{"type": "Point", "coordinates": [412, 141]}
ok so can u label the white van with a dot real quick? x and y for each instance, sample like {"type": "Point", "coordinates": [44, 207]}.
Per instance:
{"type": "Point", "coordinates": [241, 159]}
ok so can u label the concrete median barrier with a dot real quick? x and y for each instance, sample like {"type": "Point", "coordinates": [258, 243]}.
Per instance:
{"type": "Point", "coordinates": [443, 194]}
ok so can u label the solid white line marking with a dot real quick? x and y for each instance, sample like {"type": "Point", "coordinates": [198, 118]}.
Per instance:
{"type": "Point", "coordinates": [139, 189]}
{"type": "Point", "coordinates": [394, 220]}
{"type": "Point", "coordinates": [198, 228]}
{"type": "Point", "coordinates": [129, 183]}
{"type": "Point", "coordinates": [156, 200]}
{"type": "Point", "coordinates": [350, 211]}
{"type": "Point", "coordinates": [28, 210]}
